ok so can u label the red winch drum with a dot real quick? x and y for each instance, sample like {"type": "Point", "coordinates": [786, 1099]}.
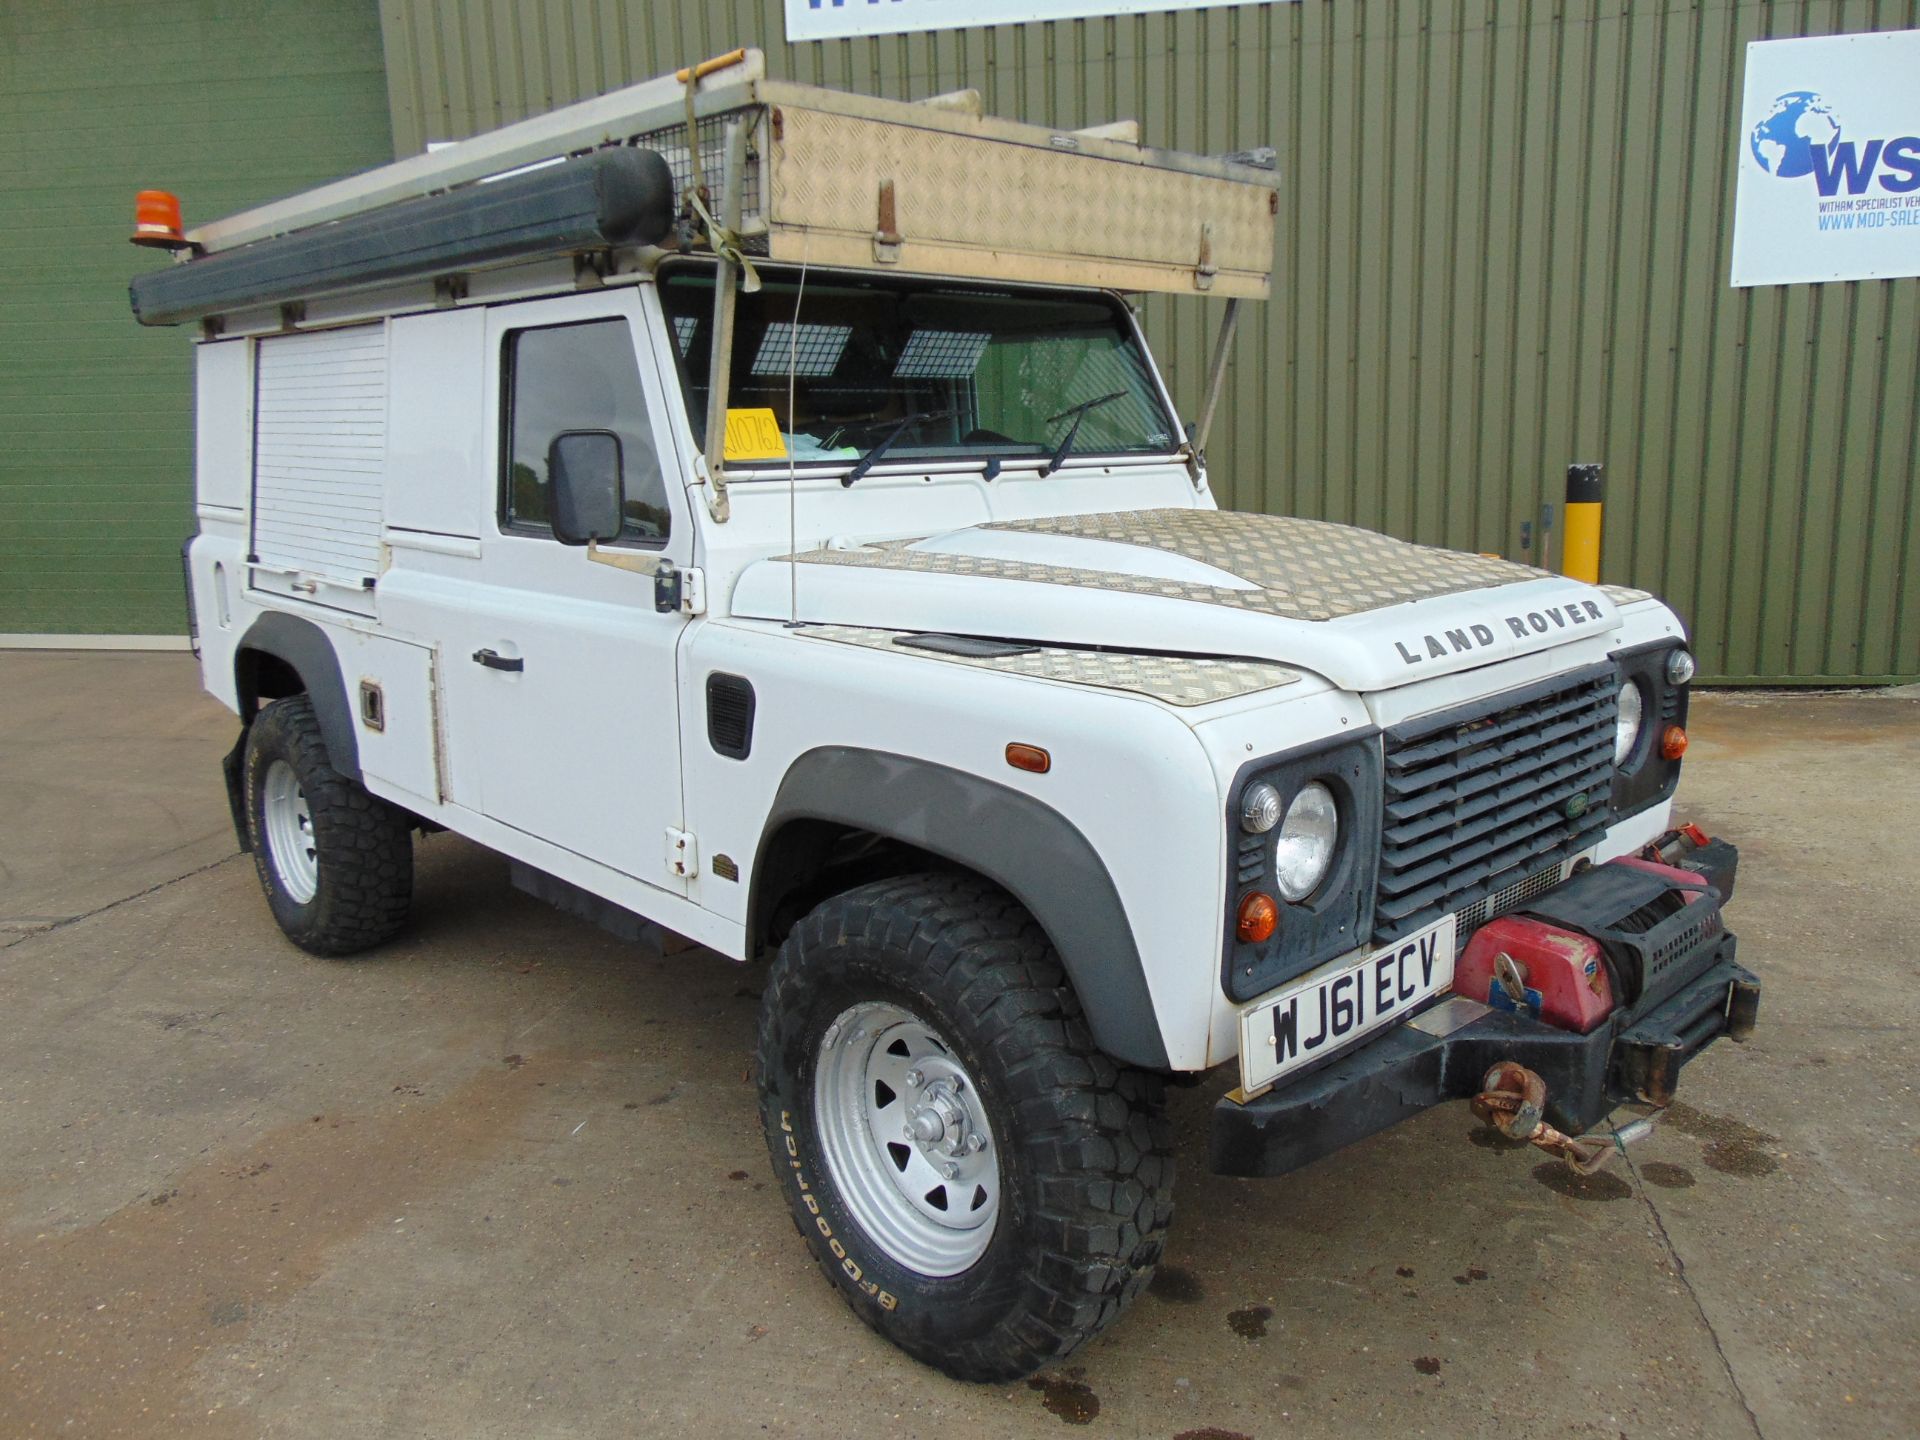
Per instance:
{"type": "Point", "coordinates": [1563, 977]}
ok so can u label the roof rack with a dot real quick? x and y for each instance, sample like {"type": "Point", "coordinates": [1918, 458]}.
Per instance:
{"type": "Point", "coordinates": [932, 186]}
{"type": "Point", "coordinates": [762, 169]}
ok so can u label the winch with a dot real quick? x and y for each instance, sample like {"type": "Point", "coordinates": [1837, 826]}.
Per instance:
{"type": "Point", "coordinates": [1587, 997]}
{"type": "Point", "coordinates": [1623, 933]}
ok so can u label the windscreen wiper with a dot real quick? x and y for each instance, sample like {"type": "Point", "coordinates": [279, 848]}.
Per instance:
{"type": "Point", "coordinates": [905, 423]}
{"type": "Point", "coordinates": [1079, 413]}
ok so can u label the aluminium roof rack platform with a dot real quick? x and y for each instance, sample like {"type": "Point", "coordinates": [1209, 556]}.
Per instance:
{"type": "Point", "coordinates": [929, 187]}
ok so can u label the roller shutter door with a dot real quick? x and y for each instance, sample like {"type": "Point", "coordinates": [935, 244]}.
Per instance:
{"type": "Point", "coordinates": [319, 464]}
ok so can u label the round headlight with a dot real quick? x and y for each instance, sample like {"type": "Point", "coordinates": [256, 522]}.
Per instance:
{"type": "Point", "coordinates": [1680, 667]}
{"type": "Point", "coordinates": [1626, 732]}
{"type": "Point", "coordinates": [1260, 809]}
{"type": "Point", "coordinates": [1303, 853]}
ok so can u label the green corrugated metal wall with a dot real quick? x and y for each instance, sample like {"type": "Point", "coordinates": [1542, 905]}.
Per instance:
{"type": "Point", "coordinates": [225, 102]}
{"type": "Point", "coordinates": [1505, 248]}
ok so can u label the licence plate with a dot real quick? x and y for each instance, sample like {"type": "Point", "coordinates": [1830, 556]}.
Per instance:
{"type": "Point", "coordinates": [1334, 1006]}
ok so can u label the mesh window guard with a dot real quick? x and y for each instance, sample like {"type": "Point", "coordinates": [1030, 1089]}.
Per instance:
{"type": "Point", "coordinates": [941, 355]}
{"type": "Point", "coordinates": [815, 352]}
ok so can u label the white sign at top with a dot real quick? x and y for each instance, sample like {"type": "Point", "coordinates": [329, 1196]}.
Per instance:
{"type": "Point", "coordinates": [1829, 160]}
{"type": "Point", "coordinates": [839, 19]}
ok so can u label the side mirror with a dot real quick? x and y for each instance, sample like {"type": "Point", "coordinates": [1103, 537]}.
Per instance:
{"type": "Point", "coordinates": [584, 470]}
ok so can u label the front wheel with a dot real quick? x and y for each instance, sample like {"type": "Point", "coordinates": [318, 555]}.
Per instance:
{"type": "Point", "coordinates": [985, 1187]}
{"type": "Point", "coordinates": [335, 861]}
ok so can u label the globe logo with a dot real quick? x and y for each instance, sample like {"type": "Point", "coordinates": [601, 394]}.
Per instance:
{"type": "Point", "coordinates": [1783, 142]}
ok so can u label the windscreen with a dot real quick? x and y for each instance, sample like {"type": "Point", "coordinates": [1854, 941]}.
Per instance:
{"type": "Point", "coordinates": [995, 373]}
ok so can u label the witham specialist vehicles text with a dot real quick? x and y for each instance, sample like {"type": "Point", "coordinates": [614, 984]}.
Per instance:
{"type": "Point", "coordinates": [788, 541]}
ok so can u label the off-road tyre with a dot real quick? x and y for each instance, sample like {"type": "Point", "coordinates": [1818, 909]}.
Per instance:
{"type": "Point", "coordinates": [1086, 1166]}
{"type": "Point", "coordinates": [362, 847]}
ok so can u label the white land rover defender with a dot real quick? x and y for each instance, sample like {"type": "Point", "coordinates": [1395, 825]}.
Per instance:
{"type": "Point", "coordinates": [752, 509]}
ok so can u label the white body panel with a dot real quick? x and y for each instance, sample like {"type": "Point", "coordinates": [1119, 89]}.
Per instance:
{"type": "Point", "coordinates": [582, 761]}
{"type": "Point", "coordinates": [437, 435]}
{"type": "Point", "coordinates": [223, 425]}
{"type": "Point", "coordinates": [580, 745]}
{"type": "Point", "coordinates": [401, 752]}
{"type": "Point", "coordinates": [1116, 759]}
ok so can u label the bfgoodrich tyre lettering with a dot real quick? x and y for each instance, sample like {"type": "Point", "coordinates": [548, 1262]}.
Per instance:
{"type": "Point", "coordinates": [1085, 1172]}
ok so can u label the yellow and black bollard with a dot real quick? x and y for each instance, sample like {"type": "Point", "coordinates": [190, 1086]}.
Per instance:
{"type": "Point", "coordinates": [1580, 529]}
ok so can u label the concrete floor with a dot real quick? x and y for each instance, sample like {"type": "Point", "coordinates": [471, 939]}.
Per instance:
{"type": "Point", "coordinates": [503, 1178]}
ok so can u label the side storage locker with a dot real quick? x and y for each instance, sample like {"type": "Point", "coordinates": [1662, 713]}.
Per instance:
{"type": "Point", "coordinates": [319, 465]}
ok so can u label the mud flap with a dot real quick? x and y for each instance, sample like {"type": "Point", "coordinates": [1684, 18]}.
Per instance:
{"type": "Point", "coordinates": [234, 769]}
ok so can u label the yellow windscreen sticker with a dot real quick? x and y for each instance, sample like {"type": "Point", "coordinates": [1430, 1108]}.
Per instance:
{"type": "Point", "coordinates": [754, 435]}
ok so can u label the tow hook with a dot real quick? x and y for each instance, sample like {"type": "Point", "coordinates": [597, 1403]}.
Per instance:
{"type": "Point", "coordinates": [1513, 1100]}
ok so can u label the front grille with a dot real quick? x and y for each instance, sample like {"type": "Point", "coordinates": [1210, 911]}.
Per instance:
{"type": "Point", "coordinates": [1491, 797]}
{"type": "Point", "coordinates": [1510, 898]}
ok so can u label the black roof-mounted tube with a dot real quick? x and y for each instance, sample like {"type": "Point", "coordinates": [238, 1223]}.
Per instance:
{"type": "Point", "coordinates": [617, 196]}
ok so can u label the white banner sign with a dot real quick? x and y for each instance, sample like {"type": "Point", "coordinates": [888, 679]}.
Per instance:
{"type": "Point", "coordinates": [1829, 157]}
{"type": "Point", "coordinates": [838, 19]}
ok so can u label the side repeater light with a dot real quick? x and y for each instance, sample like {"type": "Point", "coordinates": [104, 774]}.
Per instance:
{"type": "Point", "coordinates": [1030, 758]}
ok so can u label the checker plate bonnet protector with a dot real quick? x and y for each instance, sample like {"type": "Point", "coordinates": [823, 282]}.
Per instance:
{"type": "Point", "coordinates": [1179, 680]}
{"type": "Point", "coordinates": [1365, 610]}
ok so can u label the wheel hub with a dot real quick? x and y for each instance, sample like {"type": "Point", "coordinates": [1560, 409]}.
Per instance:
{"type": "Point", "coordinates": [906, 1138]}
{"type": "Point", "coordinates": [941, 1120]}
{"type": "Point", "coordinates": [288, 823]}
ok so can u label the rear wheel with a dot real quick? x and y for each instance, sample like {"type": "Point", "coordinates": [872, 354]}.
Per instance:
{"type": "Point", "coordinates": [335, 861]}
{"type": "Point", "coordinates": [984, 1186]}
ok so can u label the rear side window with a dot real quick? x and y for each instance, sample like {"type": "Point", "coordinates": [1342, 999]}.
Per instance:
{"type": "Point", "coordinates": [578, 377]}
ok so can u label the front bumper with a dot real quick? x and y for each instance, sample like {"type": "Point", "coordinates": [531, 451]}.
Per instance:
{"type": "Point", "coordinates": [1445, 1052]}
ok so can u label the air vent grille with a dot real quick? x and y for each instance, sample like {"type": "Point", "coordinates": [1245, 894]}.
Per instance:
{"type": "Point", "coordinates": [730, 715]}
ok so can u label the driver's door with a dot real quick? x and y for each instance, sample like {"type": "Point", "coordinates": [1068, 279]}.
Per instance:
{"type": "Point", "coordinates": [559, 671]}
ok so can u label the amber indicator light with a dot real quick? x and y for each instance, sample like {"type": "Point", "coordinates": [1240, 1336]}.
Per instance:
{"type": "Point", "coordinates": [1030, 758]}
{"type": "Point", "coordinates": [1673, 742]}
{"type": "Point", "coordinates": [1258, 915]}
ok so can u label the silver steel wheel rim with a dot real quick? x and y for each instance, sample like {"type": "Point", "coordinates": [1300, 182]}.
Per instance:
{"type": "Point", "coordinates": [289, 826]}
{"type": "Point", "coordinates": [906, 1139]}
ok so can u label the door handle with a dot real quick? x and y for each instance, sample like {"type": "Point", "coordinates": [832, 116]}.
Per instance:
{"type": "Point", "coordinates": [494, 660]}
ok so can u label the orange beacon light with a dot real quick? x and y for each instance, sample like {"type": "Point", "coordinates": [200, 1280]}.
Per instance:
{"type": "Point", "coordinates": [156, 220]}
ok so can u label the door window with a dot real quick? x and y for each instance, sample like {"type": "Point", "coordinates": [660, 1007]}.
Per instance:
{"type": "Point", "coordinates": [578, 377]}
